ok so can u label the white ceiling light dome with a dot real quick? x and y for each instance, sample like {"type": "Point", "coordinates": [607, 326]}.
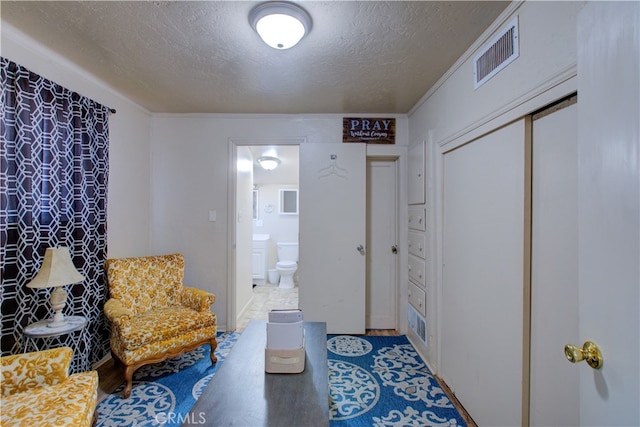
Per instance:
{"type": "Point", "coordinates": [280, 24]}
{"type": "Point", "coordinates": [268, 163]}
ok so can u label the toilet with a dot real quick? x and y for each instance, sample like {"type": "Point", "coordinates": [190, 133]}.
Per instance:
{"type": "Point", "coordinates": [287, 263]}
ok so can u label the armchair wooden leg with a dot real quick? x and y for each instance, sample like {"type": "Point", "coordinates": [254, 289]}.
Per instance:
{"type": "Point", "coordinates": [128, 376]}
{"type": "Point", "coordinates": [214, 345]}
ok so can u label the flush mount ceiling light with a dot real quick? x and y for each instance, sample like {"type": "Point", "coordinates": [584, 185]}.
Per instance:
{"type": "Point", "coordinates": [268, 163]}
{"type": "Point", "coordinates": [280, 24]}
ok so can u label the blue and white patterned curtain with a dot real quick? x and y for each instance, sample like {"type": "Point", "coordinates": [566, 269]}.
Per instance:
{"type": "Point", "coordinates": [53, 192]}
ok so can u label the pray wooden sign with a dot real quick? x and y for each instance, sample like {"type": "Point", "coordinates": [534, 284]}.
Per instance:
{"type": "Point", "coordinates": [369, 130]}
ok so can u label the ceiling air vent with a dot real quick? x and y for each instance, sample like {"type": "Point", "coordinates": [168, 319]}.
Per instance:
{"type": "Point", "coordinates": [497, 54]}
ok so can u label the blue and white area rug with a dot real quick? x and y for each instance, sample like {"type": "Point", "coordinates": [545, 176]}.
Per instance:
{"type": "Point", "coordinates": [164, 393]}
{"type": "Point", "coordinates": [382, 381]}
{"type": "Point", "coordinates": [373, 381]}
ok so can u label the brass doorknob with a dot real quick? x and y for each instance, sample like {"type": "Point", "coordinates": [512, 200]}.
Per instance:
{"type": "Point", "coordinates": [589, 352]}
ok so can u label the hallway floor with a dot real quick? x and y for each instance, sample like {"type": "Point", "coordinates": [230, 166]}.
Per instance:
{"type": "Point", "coordinates": [265, 299]}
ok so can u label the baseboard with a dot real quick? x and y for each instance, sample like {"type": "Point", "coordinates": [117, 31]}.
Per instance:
{"type": "Point", "coordinates": [456, 402]}
{"type": "Point", "coordinates": [463, 412]}
{"type": "Point", "coordinates": [245, 308]}
{"type": "Point", "coordinates": [101, 362]}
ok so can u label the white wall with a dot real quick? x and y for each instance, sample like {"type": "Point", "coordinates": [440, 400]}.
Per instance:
{"type": "Point", "coordinates": [190, 175]}
{"type": "Point", "coordinates": [452, 113]}
{"type": "Point", "coordinates": [128, 198]}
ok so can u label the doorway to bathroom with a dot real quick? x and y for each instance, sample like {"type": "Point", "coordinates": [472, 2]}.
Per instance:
{"type": "Point", "coordinates": [263, 202]}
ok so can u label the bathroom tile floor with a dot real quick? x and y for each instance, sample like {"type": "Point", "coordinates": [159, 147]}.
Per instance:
{"type": "Point", "coordinates": [265, 299]}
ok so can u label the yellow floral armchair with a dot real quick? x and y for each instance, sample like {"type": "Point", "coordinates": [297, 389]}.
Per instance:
{"type": "Point", "coordinates": [153, 316]}
{"type": "Point", "coordinates": [37, 390]}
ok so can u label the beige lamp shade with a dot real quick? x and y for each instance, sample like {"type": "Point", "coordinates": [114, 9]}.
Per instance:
{"type": "Point", "coordinates": [57, 270]}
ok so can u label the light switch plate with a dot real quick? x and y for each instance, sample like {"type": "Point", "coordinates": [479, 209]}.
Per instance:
{"type": "Point", "coordinates": [212, 216]}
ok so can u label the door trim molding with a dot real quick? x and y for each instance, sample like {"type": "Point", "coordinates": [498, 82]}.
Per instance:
{"type": "Point", "coordinates": [526, 270]}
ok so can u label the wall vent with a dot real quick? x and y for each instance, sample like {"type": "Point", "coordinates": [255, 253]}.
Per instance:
{"type": "Point", "coordinates": [417, 324]}
{"type": "Point", "coordinates": [497, 54]}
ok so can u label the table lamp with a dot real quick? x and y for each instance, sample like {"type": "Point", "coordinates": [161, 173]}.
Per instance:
{"type": "Point", "coordinates": [57, 271]}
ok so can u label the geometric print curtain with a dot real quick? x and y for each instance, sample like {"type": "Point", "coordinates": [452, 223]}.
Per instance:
{"type": "Point", "coordinates": [53, 192]}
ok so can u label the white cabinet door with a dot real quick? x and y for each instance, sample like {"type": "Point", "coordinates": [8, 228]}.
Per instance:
{"type": "Point", "coordinates": [259, 260]}
{"type": "Point", "coordinates": [332, 228]}
{"type": "Point", "coordinates": [416, 174]}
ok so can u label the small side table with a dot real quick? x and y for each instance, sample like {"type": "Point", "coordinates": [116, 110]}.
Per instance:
{"type": "Point", "coordinates": [75, 331]}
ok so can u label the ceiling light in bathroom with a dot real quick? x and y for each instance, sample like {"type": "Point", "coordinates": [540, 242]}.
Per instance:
{"type": "Point", "coordinates": [268, 163]}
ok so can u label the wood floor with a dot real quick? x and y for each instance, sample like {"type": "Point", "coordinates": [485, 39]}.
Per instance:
{"type": "Point", "coordinates": [265, 299]}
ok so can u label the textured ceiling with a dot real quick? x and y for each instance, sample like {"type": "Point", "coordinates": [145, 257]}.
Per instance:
{"type": "Point", "coordinates": [203, 56]}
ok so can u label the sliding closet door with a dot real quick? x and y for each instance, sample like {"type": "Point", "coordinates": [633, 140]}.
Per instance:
{"type": "Point", "coordinates": [482, 291]}
{"type": "Point", "coordinates": [554, 266]}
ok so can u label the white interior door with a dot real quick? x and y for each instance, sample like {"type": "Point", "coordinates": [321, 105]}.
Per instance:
{"type": "Point", "coordinates": [609, 210]}
{"type": "Point", "coordinates": [554, 268]}
{"type": "Point", "coordinates": [482, 289]}
{"type": "Point", "coordinates": [332, 228]}
{"type": "Point", "coordinates": [381, 275]}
